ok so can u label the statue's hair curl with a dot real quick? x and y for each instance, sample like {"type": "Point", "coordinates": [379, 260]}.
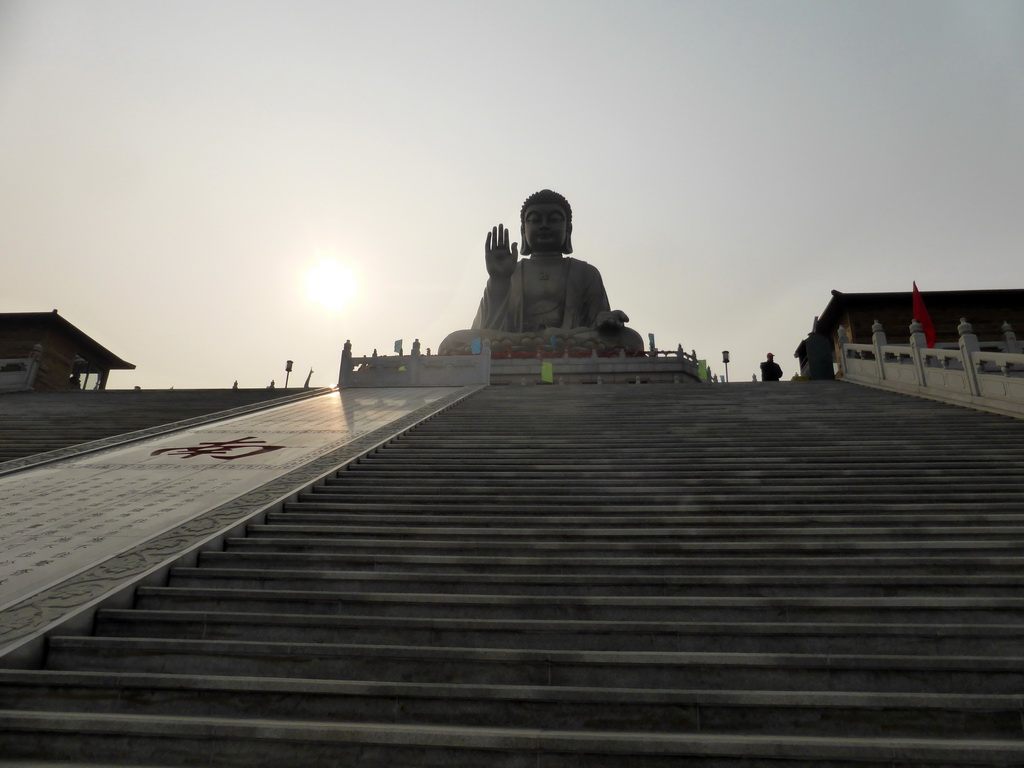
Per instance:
{"type": "Point", "coordinates": [546, 196]}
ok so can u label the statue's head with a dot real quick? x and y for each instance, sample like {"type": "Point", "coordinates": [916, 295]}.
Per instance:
{"type": "Point", "coordinates": [545, 214]}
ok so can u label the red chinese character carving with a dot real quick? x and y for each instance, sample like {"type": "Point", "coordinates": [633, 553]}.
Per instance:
{"type": "Point", "coordinates": [216, 449]}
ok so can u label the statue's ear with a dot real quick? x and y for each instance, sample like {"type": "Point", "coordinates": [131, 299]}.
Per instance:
{"type": "Point", "coordinates": [567, 247]}
{"type": "Point", "coordinates": [524, 244]}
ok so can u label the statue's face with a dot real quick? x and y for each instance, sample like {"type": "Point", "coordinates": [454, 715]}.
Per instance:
{"type": "Point", "coordinates": [545, 227]}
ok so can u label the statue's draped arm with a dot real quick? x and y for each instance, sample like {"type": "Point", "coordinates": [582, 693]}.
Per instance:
{"type": "Point", "coordinates": [585, 297]}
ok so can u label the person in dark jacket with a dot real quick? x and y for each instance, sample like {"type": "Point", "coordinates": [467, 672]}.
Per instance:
{"type": "Point", "coordinates": [770, 370]}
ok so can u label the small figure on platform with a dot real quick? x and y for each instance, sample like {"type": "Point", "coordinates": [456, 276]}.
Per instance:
{"type": "Point", "coordinates": [770, 370]}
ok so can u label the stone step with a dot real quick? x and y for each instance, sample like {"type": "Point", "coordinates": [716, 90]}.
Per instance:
{"type": "Point", "coordinates": [725, 449]}
{"type": "Point", "coordinates": [705, 584]}
{"type": "Point", "coordinates": [827, 566]}
{"type": "Point", "coordinates": [653, 468]}
{"type": "Point", "coordinates": [697, 426]}
{"type": "Point", "coordinates": [993, 546]}
{"type": "Point", "coordinates": [284, 526]}
{"type": "Point", "coordinates": [369, 469]}
{"type": "Point", "coordinates": [892, 638]}
{"type": "Point", "coordinates": [728, 454]}
{"type": "Point", "coordinates": [451, 483]}
{"type": "Point", "coordinates": [990, 610]}
{"type": "Point", "coordinates": [681, 419]}
{"type": "Point", "coordinates": [510, 504]}
{"type": "Point", "coordinates": [548, 707]}
{"type": "Point", "coordinates": [316, 513]}
{"type": "Point", "coordinates": [583, 496]}
{"type": "Point", "coordinates": [242, 744]}
{"type": "Point", "coordinates": [68, 764]}
{"type": "Point", "coordinates": [768, 469]}
{"type": "Point", "coordinates": [948, 443]}
{"type": "Point", "coordinates": [502, 666]}
{"type": "Point", "coordinates": [558, 431]}
{"type": "Point", "coordinates": [706, 429]}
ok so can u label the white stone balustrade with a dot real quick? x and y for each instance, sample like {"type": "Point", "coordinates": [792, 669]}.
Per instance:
{"type": "Point", "coordinates": [967, 375]}
{"type": "Point", "coordinates": [415, 370]}
{"type": "Point", "coordinates": [418, 370]}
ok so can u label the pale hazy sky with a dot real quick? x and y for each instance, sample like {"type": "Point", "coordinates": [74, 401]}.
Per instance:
{"type": "Point", "coordinates": [171, 172]}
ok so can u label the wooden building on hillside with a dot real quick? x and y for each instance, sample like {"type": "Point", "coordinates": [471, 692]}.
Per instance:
{"type": "Point", "coordinates": [986, 311]}
{"type": "Point", "coordinates": [52, 354]}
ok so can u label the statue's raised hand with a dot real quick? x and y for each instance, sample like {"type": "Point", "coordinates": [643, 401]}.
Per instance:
{"type": "Point", "coordinates": [500, 258]}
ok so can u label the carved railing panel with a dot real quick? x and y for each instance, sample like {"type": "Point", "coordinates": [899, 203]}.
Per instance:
{"type": "Point", "coordinates": [966, 375]}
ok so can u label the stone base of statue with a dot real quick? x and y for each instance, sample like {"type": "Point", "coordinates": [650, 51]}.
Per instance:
{"type": "Point", "coordinates": [520, 368]}
{"type": "Point", "coordinates": [576, 341]}
{"type": "Point", "coordinates": [608, 369]}
{"type": "Point", "coordinates": [415, 370]}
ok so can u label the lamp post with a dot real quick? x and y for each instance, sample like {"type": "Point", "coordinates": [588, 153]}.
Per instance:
{"type": "Point", "coordinates": [287, 372]}
{"type": "Point", "coordinates": [725, 359]}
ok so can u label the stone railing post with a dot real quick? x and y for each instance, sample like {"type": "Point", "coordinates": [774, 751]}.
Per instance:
{"type": "Point", "coordinates": [878, 341]}
{"type": "Point", "coordinates": [485, 362]}
{"type": "Point", "coordinates": [843, 338]}
{"type": "Point", "coordinates": [918, 341]}
{"type": "Point", "coordinates": [34, 358]}
{"type": "Point", "coordinates": [345, 375]}
{"type": "Point", "coordinates": [414, 363]}
{"type": "Point", "coordinates": [968, 346]}
{"type": "Point", "coordinates": [1010, 339]}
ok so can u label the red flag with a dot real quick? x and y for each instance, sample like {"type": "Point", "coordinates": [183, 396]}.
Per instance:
{"type": "Point", "coordinates": [922, 316]}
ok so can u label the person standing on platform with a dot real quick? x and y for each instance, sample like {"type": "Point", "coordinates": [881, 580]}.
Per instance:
{"type": "Point", "coordinates": [770, 370]}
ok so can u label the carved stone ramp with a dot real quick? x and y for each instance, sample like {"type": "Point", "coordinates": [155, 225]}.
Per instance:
{"type": "Point", "coordinates": [647, 575]}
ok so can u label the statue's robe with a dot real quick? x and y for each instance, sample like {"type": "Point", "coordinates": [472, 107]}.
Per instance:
{"type": "Point", "coordinates": [584, 299]}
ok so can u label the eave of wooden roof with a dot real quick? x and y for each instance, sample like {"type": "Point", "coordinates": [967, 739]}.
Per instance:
{"type": "Point", "coordinates": [829, 318]}
{"type": "Point", "coordinates": [88, 346]}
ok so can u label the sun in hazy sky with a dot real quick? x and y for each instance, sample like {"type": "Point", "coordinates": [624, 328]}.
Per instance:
{"type": "Point", "coordinates": [330, 284]}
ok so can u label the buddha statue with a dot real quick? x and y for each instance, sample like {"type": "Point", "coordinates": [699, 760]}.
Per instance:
{"type": "Point", "coordinates": [548, 299]}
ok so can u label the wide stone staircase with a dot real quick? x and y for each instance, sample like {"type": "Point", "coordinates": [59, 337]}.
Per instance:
{"type": "Point", "coordinates": [636, 575]}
